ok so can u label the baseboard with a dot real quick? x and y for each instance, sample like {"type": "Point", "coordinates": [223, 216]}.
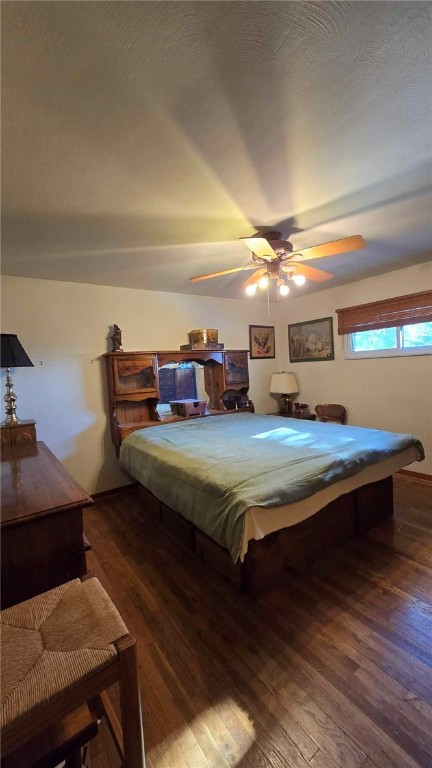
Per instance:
{"type": "Point", "coordinates": [113, 492]}
{"type": "Point", "coordinates": [417, 475]}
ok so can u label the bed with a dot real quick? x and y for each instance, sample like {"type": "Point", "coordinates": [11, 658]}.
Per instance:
{"type": "Point", "coordinates": [257, 496]}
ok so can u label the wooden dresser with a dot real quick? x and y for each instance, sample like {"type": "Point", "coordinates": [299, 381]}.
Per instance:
{"type": "Point", "coordinates": [42, 542]}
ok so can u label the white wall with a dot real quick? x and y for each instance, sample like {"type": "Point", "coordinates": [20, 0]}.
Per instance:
{"type": "Point", "coordinates": [387, 393]}
{"type": "Point", "coordinates": [64, 329]}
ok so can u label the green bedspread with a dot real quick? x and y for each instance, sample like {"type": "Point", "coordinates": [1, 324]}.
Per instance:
{"type": "Point", "coordinates": [211, 470]}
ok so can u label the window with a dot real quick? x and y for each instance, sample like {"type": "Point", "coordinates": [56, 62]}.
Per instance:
{"type": "Point", "coordinates": [388, 328]}
{"type": "Point", "coordinates": [390, 342]}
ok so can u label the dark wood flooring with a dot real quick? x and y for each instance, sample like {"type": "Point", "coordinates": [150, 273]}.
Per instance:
{"type": "Point", "coordinates": [333, 670]}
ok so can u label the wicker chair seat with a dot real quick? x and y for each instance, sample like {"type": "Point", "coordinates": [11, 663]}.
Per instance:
{"type": "Point", "coordinates": [51, 643]}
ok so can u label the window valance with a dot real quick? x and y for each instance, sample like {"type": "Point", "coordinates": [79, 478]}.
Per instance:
{"type": "Point", "coordinates": [401, 310]}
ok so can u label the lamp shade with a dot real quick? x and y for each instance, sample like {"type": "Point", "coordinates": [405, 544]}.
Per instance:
{"type": "Point", "coordinates": [12, 354]}
{"type": "Point", "coordinates": [284, 383]}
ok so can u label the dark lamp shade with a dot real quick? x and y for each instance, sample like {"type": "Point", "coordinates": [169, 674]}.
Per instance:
{"type": "Point", "coordinates": [12, 354]}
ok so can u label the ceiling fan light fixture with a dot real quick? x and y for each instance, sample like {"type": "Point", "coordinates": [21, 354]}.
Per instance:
{"type": "Point", "coordinates": [299, 279]}
{"type": "Point", "coordinates": [278, 261]}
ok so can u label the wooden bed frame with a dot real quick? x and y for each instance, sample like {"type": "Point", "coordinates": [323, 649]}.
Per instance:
{"type": "Point", "coordinates": [288, 550]}
{"type": "Point", "coordinates": [133, 389]}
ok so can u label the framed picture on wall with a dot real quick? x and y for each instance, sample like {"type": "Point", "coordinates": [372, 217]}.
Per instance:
{"type": "Point", "coordinates": [261, 341]}
{"type": "Point", "coordinates": [311, 341]}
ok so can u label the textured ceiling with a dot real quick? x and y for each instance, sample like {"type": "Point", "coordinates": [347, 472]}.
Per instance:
{"type": "Point", "coordinates": [142, 139]}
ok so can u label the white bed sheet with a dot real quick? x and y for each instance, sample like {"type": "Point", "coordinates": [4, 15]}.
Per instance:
{"type": "Point", "coordinates": [260, 522]}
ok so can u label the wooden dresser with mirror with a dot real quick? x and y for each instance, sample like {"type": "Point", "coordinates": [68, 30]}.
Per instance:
{"type": "Point", "coordinates": [134, 391]}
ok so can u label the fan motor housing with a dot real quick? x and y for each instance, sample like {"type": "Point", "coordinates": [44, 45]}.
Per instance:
{"type": "Point", "coordinates": [282, 248]}
{"type": "Point", "coordinates": [279, 245]}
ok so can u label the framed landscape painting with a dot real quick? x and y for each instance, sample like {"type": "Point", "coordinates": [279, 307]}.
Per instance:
{"type": "Point", "coordinates": [311, 341]}
{"type": "Point", "coordinates": [261, 341]}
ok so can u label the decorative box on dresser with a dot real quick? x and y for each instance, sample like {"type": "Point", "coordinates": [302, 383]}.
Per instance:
{"type": "Point", "coordinates": [18, 434]}
{"type": "Point", "coordinates": [42, 542]}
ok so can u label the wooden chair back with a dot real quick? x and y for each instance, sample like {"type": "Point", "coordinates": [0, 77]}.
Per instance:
{"type": "Point", "coordinates": [331, 412]}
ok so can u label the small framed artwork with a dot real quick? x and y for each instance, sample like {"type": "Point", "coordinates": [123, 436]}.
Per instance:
{"type": "Point", "coordinates": [311, 341]}
{"type": "Point", "coordinates": [261, 341]}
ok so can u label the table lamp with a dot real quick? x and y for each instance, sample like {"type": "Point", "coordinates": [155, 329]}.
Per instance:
{"type": "Point", "coordinates": [284, 384]}
{"type": "Point", "coordinates": [12, 355]}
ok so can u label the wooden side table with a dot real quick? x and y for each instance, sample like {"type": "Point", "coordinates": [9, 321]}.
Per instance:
{"type": "Point", "coordinates": [16, 434]}
{"type": "Point", "coordinates": [41, 523]}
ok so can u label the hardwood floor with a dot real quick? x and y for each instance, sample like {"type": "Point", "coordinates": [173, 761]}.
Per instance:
{"type": "Point", "coordinates": [333, 670]}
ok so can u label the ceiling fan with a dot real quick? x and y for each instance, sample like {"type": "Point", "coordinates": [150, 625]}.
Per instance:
{"type": "Point", "coordinates": [281, 263]}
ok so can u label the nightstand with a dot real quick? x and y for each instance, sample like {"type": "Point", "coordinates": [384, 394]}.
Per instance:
{"type": "Point", "coordinates": [17, 434]}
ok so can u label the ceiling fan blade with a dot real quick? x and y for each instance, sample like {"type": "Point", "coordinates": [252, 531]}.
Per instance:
{"type": "Point", "coordinates": [318, 275]}
{"type": "Point", "coordinates": [345, 245]}
{"type": "Point", "coordinates": [260, 247]}
{"type": "Point", "coordinates": [253, 278]}
{"type": "Point", "coordinates": [224, 272]}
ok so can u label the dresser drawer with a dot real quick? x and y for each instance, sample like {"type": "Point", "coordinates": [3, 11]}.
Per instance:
{"type": "Point", "coordinates": [41, 523]}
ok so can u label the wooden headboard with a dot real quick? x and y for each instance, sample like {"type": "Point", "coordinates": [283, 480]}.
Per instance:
{"type": "Point", "coordinates": [133, 385]}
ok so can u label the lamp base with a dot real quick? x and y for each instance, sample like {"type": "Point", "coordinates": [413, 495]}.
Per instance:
{"type": "Point", "coordinates": [11, 421]}
{"type": "Point", "coordinates": [10, 399]}
{"type": "Point", "coordinates": [285, 405]}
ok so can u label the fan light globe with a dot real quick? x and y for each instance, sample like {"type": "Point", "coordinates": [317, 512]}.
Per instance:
{"type": "Point", "coordinates": [283, 290]}
{"type": "Point", "coordinates": [299, 279]}
{"type": "Point", "coordinates": [263, 281]}
{"type": "Point", "coordinates": [251, 289]}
